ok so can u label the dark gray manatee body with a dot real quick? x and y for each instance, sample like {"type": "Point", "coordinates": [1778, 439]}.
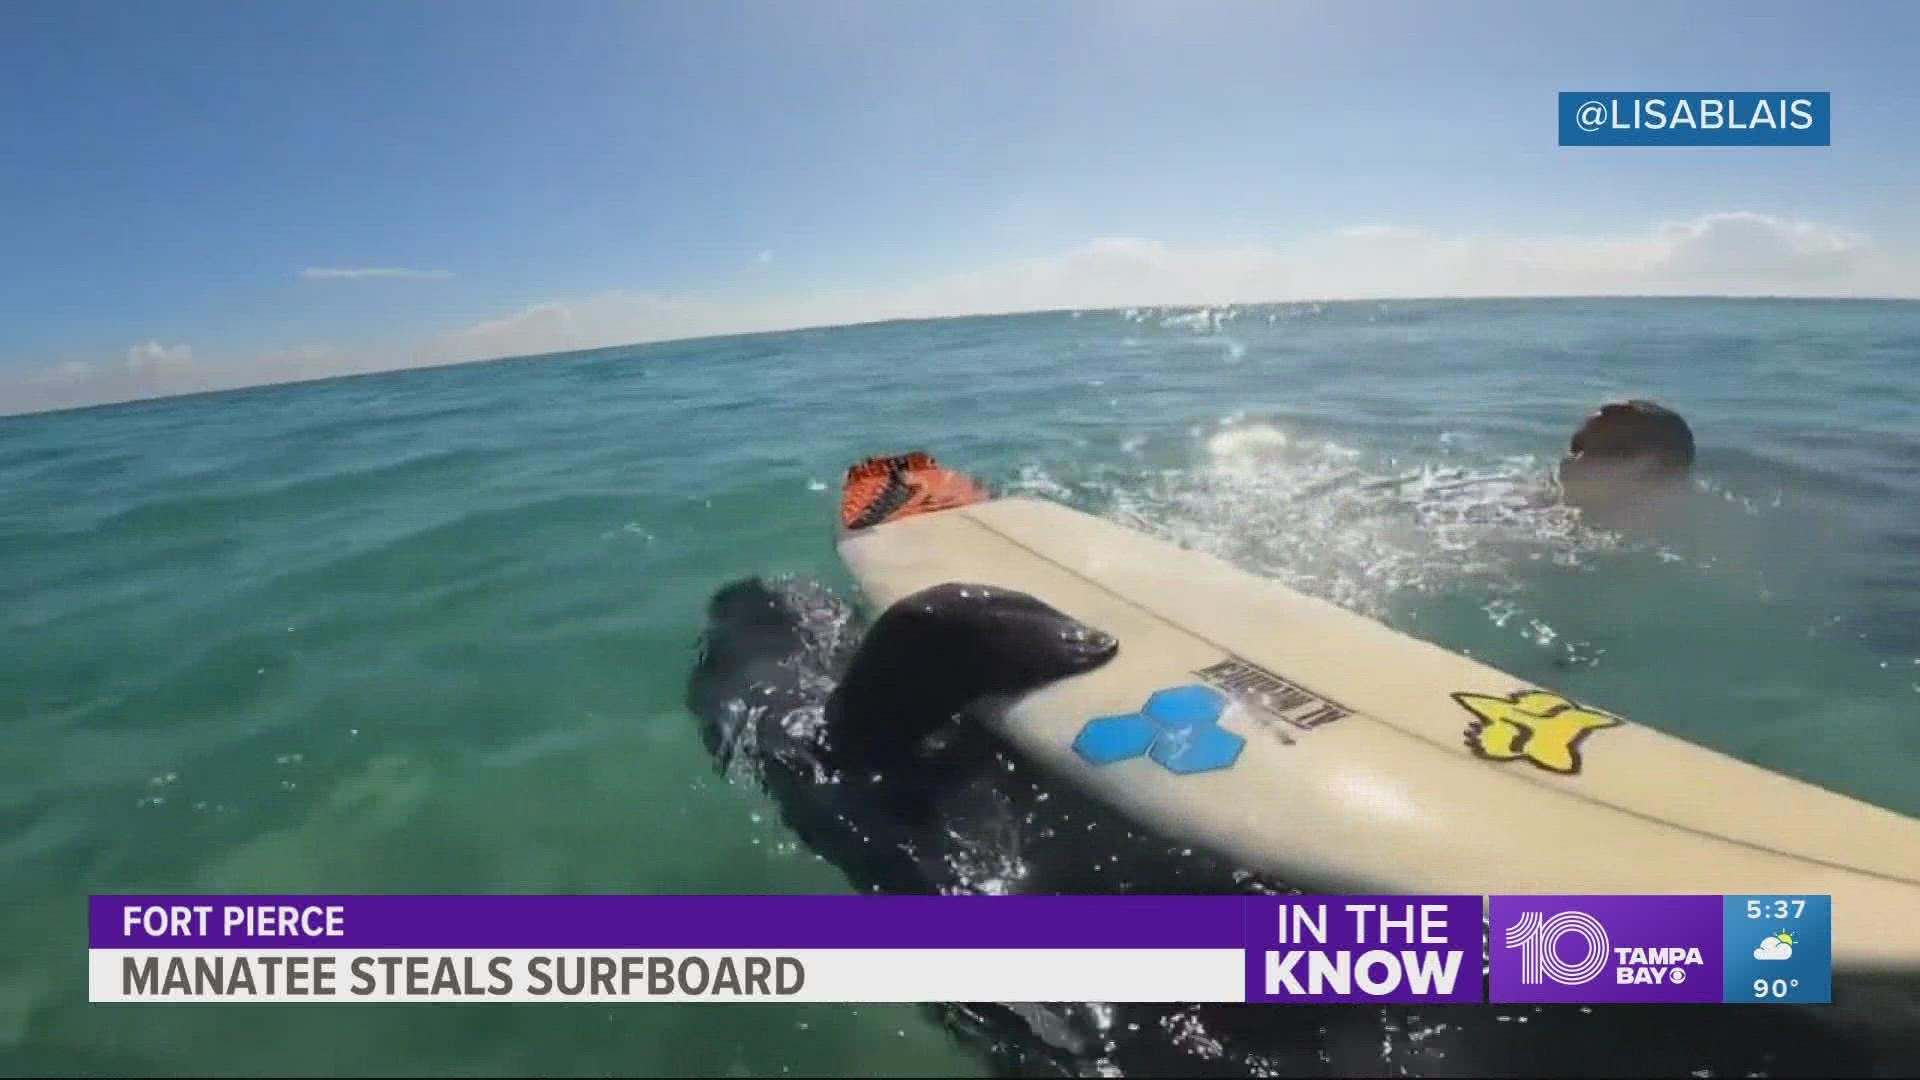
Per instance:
{"type": "Point", "coordinates": [879, 751]}
{"type": "Point", "coordinates": [930, 658]}
{"type": "Point", "coordinates": [870, 742]}
{"type": "Point", "coordinates": [874, 754]}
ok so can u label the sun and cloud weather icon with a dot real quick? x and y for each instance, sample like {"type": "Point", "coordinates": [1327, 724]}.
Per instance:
{"type": "Point", "coordinates": [1178, 729]}
{"type": "Point", "coordinates": [1774, 947]}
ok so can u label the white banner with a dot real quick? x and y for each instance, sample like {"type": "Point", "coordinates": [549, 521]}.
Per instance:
{"type": "Point", "coordinates": [851, 976]}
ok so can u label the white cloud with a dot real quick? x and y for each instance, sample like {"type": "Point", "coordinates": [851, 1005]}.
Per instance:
{"type": "Point", "coordinates": [322, 273]}
{"type": "Point", "coordinates": [1737, 253]}
{"type": "Point", "coordinates": [1378, 232]}
{"type": "Point", "coordinates": [764, 258]}
{"type": "Point", "coordinates": [148, 369]}
{"type": "Point", "coordinates": [1773, 948]}
{"type": "Point", "coordinates": [153, 356]}
{"type": "Point", "coordinates": [1748, 244]}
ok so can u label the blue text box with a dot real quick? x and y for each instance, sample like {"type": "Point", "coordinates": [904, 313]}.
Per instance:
{"type": "Point", "coordinates": [1695, 118]}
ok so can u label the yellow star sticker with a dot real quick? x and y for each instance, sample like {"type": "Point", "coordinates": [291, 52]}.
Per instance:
{"type": "Point", "coordinates": [1543, 728]}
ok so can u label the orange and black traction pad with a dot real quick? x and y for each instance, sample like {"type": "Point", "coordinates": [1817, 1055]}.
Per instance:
{"type": "Point", "coordinates": [888, 488]}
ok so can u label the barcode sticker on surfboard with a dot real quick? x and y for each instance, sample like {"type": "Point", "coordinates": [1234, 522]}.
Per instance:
{"type": "Point", "coordinates": [1263, 691]}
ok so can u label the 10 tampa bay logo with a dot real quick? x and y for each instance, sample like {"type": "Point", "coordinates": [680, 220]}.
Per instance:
{"type": "Point", "coordinates": [1598, 949]}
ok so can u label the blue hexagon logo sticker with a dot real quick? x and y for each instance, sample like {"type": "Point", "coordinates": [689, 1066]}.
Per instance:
{"type": "Point", "coordinates": [1177, 729]}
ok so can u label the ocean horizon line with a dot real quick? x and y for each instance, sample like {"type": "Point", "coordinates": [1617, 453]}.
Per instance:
{"type": "Point", "coordinates": [910, 320]}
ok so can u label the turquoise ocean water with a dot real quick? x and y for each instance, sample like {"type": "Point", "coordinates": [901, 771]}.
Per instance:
{"type": "Point", "coordinates": [429, 631]}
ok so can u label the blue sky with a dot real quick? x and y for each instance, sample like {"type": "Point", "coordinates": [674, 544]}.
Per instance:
{"type": "Point", "coordinates": [563, 173]}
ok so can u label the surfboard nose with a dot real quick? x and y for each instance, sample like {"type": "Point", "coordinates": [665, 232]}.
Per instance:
{"type": "Point", "coordinates": [887, 488]}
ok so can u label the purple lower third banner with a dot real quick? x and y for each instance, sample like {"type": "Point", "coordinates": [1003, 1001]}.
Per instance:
{"type": "Point", "coordinates": [801, 948]}
{"type": "Point", "coordinates": [668, 922]}
{"type": "Point", "coordinates": [1295, 949]}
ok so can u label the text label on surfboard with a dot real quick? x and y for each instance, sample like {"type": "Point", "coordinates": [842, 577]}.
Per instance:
{"type": "Point", "coordinates": [1268, 697]}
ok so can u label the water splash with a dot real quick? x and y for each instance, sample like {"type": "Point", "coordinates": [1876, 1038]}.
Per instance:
{"type": "Point", "coordinates": [1326, 519]}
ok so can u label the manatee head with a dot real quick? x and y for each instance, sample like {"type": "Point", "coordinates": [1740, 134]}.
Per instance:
{"type": "Point", "coordinates": [1626, 452]}
{"type": "Point", "coordinates": [934, 653]}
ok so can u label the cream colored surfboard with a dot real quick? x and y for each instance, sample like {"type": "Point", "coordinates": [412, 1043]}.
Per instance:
{"type": "Point", "coordinates": [1358, 758]}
